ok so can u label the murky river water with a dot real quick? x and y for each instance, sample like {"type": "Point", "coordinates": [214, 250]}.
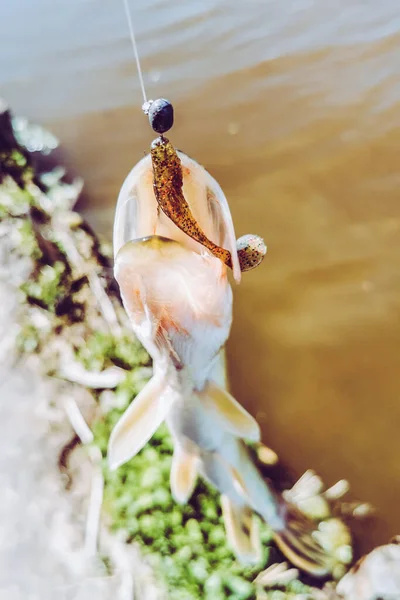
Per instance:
{"type": "Point", "coordinates": [294, 106]}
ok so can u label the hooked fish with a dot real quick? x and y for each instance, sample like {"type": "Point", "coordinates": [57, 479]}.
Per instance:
{"type": "Point", "coordinates": [179, 301]}
{"type": "Point", "coordinates": [175, 292]}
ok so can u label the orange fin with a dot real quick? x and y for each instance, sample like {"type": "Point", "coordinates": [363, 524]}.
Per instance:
{"type": "Point", "coordinates": [139, 422]}
{"type": "Point", "coordinates": [183, 474]}
{"type": "Point", "coordinates": [231, 415]}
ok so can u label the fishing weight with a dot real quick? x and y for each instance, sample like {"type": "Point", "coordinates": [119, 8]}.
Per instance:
{"type": "Point", "coordinates": [160, 113]}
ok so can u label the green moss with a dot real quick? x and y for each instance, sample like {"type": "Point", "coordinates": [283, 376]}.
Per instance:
{"type": "Point", "coordinates": [94, 353]}
{"type": "Point", "coordinates": [103, 349]}
{"type": "Point", "coordinates": [46, 289]}
{"type": "Point", "coordinates": [28, 339]}
{"type": "Point", "coordinates": [14, 201]}
{"type": "Point", "coordinates": [18, 158]}
{"type": "Point", "coordinates": [277, 595]}
{"type": "Point", "coordinates": [28, 245]}
{"type": "Point", "coordinates": [297, 587]}
{"type": "Point", "coordinates": [15, 164]}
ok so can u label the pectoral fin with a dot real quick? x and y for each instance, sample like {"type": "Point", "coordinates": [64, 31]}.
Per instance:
{"type": "Point", "coordinates": [231, 415]}
{"type": "Point", "coordinates": [242, 531]}
{"type": "Point", "coordinates": [139, 422]}
{"type": "Point", "coordinates": [183, 474]}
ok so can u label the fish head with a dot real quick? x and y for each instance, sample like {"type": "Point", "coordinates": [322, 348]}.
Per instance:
{"type": "Point", "coordinates": [138, 215]}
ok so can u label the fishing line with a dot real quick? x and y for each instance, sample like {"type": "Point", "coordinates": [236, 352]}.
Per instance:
{"type": "Point", "coordinates": [160, 112]}
{"type": "Point", "coordinates": [135, 49]}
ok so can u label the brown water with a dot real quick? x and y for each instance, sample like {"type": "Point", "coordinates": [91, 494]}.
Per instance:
{"type": "Point", "coordinates": [294, 106]}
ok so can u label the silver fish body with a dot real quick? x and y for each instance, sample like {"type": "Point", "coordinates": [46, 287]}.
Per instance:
{"type": "Point", "coordinates": [179, 303]}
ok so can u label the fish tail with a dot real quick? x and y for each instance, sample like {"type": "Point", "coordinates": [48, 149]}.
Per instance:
{"type": "Point", "coordinates": [297, 543]}
{"type": "Point", "coordinates": [224, 255]}
{"type": "Point", "coordinates": [293, 531]}
{"type": "Point", "coordinates": [140, 420]}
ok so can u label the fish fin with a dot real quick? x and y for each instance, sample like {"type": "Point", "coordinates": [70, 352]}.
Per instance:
{"type": "Point", "coordinates": [240, 485]}
{"type": "Point", "coordinates": [297, 543]}
{"type": "Point", "coordinates": [218, 372]}
{"type": "Point", "coordinates": [231, 415]}
{"type": "Point", "coordinates": [295, 540]}
{"type": "Point", "coordinates": [183, 474]}
{"type": "Point", "coordinates": [255, 536]}
{"type": "Point", "coordinates": [295, 535]}
{"type": "Point", "coordinates": [242, 531]}
{"type": "Point", "coordinates": [139, 422]}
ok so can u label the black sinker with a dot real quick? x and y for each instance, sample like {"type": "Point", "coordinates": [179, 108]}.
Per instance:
{"type": "Point", "coordinates": [161, 115]}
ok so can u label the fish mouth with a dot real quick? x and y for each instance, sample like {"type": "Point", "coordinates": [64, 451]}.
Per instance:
{"type": "Point", "coordinates": [154, 240]}
{"type": "Point", "coordinates": [148, 248]}
{"type": "Point", "coordinates": [157, 243]}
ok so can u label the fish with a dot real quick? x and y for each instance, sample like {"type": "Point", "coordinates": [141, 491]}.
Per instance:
{"type": "Point", "coordinates": [178, 298]}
